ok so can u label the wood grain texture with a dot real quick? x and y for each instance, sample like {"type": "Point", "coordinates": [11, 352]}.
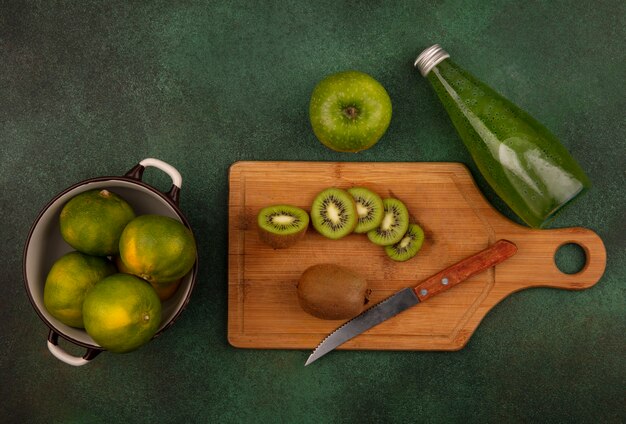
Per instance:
{"type": "Point", "coordinates": [263, 310]}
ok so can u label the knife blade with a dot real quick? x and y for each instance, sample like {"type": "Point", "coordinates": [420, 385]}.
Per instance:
{"type": "Point", "coordinates": [411, 296]}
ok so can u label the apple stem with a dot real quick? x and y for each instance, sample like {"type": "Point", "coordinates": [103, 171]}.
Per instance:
{"type": "Point", "coordinates": [351, 112]}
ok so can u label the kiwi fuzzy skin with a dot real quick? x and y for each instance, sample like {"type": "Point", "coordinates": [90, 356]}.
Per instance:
{"type": "Point", "coordinates": [281, 241]}
{"type": "Point", "coordinates": [332, 292]}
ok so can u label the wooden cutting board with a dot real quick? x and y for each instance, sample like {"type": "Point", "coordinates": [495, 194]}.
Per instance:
{"type": "Point", "coordinates": [263, 310]}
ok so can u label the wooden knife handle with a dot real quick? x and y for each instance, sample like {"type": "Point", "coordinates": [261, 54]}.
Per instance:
{"type": "Point", "coordinates": [450, 277]}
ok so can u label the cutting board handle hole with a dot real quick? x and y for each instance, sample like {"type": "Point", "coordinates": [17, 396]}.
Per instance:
{"type": "Point", "coordinates": [570, 258]}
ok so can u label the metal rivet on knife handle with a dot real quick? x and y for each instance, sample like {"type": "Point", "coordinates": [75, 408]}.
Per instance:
{"type": "Point", "coordinates": [450, 277]}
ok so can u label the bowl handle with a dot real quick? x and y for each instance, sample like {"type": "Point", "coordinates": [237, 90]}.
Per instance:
{"type": "Point", "coordinates": [60, 354]}
{"type": "Point", "coordinates": [177, 180]}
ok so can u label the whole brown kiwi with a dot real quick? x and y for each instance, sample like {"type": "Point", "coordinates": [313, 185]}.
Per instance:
{"type": "Point", "coordinates": [330, 291]}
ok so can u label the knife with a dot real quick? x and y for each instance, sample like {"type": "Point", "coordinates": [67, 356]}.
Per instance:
{"type": "Point", "coordinates": [411, 296]}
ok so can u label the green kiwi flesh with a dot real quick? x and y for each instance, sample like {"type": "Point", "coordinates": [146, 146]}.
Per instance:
{"type": "Point", "coordinates": [394, 224]}
{"type": "Point", "coordinates": [281, 226]}
{"type": "Point", "coordinates": [333, 213]}
{"type": "Point", "coordinates": [408, 246]}
{"type": "Point", "coordinates": [330, 291]}
{"type": "Point", "coordinates": [369, 208]}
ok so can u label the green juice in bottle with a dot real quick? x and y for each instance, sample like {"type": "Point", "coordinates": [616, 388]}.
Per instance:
{"type": "Point", "coordinates": [522, 161]}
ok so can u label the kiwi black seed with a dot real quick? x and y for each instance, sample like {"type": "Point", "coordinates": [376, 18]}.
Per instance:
{"type": "Point", "coordinates": [408, 246]}
{"type": "Point", "coordinates": [333, 213]}
{"type": "Point", "coordinates": [394, 224]}
{"type": "Point", "coordinates": [369, 208]}
{"type": "Point", "coordinates": [281, 226]}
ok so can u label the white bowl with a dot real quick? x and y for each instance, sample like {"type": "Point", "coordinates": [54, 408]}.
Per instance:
{"type": "Point", "coordinates": [45, 245]}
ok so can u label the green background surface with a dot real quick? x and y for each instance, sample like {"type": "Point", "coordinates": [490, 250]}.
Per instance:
{"type": "Point", "coordinates": [90, 88]}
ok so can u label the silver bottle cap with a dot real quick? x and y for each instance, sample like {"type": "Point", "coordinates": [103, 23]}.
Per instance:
{"type": "Point", "coordinates": [430, 58]}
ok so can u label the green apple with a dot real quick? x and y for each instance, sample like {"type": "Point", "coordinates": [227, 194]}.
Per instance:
{"type": "Point", "coordinates": [349, 111]}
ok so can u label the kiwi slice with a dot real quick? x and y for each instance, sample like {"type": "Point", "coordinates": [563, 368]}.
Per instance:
{"type": "Point", "coordinates": [408, 246]}
{"type": "Point", "coordinates": [333, 213]}
{"type": "Point", "coordinates": [369, 207]}
{"type": "Point", "coordinates": [281, 226]}
{"type": "Point", "coordinates": [394, 224]}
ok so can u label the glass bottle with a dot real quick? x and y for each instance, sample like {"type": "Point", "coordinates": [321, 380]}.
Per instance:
{"type": "Point", "coordinates": [522, 161]}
